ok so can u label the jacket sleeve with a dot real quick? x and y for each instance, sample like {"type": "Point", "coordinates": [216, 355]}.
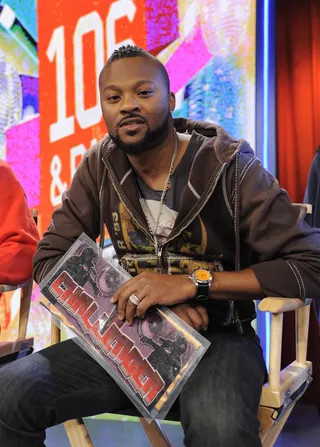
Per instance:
{"type": "Point", "coordinates": [79, 213]}
{"type": "Point", "coordinates": [312, 195]}
{"type": "Point", "coordinates": [18, 231]}
{"type": "Point", "coordinates": [287, 248]}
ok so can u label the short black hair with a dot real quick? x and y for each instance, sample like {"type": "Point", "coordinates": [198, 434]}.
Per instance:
{"type": "Point", "coordinates": [133, 51]}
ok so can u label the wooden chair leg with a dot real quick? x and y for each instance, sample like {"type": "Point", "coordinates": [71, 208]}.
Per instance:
{"type": "Point", "coordinates": [155, 433]}
{"type": "Point", "coordinates": [76, 430]}
{"type": "Point", "coordinates": [302, 332]}
{"type": "Point", "coordinates": [77, 433]}
{"type": "Point", "coordinates": [265, 416]}
{"type": "Point", "coordinates": [55, 334]}
{"type": "Point", "coordinates": [273, 434]}
{"type": "Point", "coordinates": [25, 301]}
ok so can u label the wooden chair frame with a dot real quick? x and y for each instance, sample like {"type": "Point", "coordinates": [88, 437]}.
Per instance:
{"type": "Point", "coordinates": [22, 344]}
{"type": "Point", "coordinates": [284, 388]}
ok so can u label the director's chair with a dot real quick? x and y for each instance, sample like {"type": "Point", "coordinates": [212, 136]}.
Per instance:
{"type": "Point", "coordinates": [279, 395]}
{"type": "Point", "coordinates": [13, 349]}
{"type": "Point", "coordinates": [23, 345]}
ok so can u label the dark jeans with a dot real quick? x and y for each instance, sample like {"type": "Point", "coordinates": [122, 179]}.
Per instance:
{"type": "Point", "coordinates": [218, 405]}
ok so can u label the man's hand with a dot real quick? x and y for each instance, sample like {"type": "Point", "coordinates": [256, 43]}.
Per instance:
{"type": "Point", "coordinates": [152, 289]}
{"type": "Point", "coordinates": [194, 316]}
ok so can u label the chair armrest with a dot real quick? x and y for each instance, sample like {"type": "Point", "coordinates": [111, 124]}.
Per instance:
{"type": "Point", "coordinates": [280, 305]}
{"type": "Point", "coordinates": [306, 206]}
{"type": "Point", "coordinates": [25, 301]}
{"type": "Point", "coordinates": [8, 287]}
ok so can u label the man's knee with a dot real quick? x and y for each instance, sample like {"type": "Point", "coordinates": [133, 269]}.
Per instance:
{"type": "Point", "coordinates": [220, 423]}
{"type": "Point", "coordinates": [20, 383]}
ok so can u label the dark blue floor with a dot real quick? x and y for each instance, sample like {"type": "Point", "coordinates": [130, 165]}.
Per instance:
{"type": "Point", "coordinates": [302, 430]}
{"type": "Point", "coordinates": [114, 434]}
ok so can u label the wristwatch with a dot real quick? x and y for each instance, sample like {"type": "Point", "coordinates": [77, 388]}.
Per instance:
{"type": "Point", "coordinates": [203, 280]}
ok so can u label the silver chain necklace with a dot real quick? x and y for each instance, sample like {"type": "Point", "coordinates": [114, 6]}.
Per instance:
{"type": "Point", "coordinates": [163, 195]}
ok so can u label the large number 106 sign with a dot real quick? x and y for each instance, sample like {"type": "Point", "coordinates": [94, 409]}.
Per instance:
{"type": "Point", "coordinates": [75, 40]}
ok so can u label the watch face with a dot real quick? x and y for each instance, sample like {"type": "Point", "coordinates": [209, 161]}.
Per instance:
{"type": "Point", "coordinates": [202, 275]}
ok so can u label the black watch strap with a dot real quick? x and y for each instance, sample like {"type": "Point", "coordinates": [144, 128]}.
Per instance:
{"type": "Point", "coordinates": [202, 292]}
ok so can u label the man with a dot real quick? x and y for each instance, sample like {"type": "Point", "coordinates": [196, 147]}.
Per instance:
{"type": "Point", "coordinates": [18, 232]}
{"type": "Point", "coordinates": [175, 195]}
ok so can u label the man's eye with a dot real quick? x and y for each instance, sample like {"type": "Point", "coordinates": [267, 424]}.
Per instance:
{"type": "Point", "coordinates": [145, 93]}
{"type": "Point", "coordinates": [113, 98]}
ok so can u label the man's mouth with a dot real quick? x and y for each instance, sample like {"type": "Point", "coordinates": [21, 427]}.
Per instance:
{"type": "Point", "coordinates": [132, 124]}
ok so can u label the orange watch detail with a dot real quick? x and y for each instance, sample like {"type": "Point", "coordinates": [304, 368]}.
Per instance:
{"type": "Point", "coordinates": [202, 275]}
{"type": "Point", "coordinates": [202, 279]}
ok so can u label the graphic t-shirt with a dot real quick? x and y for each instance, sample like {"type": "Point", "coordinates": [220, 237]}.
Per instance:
{"type": "Point", "coordinates": [150, 198]}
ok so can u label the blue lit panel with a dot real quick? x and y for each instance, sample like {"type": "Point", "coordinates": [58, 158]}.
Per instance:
{"type": "Point", "coordinates": [266, 120]}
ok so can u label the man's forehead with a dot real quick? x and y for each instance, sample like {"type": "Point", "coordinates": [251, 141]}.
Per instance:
{"type": "Point", "coordinates": [129, 71]}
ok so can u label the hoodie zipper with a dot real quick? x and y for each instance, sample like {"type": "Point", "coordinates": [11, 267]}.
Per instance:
{"type": "Point", "coordinates": [233, 315]}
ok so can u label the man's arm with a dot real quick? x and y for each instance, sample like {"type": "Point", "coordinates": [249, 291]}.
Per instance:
{"type": "Point", "coordinates": [18, 232]}
{"type": "Point", "coordinates": [241, 285]}
{"type": "Point", "coordinates": [286, 248]}
{"type": "Point", "coordinates": [79, 213]}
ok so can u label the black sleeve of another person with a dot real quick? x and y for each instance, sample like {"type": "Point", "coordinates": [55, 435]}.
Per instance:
{"type": "Point", "coordinates": [312, 195]}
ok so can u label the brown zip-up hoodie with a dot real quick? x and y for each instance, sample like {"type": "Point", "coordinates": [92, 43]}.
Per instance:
{"type": "Point", "coordinates": [233, 215]}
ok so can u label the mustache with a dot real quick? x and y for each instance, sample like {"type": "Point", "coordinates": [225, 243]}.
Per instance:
{"type": "Point", "coordinates": [130, 116]}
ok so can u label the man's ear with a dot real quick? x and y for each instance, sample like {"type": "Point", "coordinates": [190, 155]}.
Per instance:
{"type": "Point", "coordinates": [172, 101]}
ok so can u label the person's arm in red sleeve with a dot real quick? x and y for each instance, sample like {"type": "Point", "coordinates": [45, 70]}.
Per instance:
{"type": "Point", "coordinates": [18, 232]}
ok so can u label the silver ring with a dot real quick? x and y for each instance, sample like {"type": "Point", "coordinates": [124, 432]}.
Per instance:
{"type": "Point", "coordinates": [134, 300]}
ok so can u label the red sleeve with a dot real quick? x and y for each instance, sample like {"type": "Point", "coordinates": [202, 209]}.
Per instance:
{"type": "Point", "coordinates": [18, 232]}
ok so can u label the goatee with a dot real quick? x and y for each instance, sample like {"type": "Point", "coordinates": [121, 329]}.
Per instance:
{"type": "Point", "coordinates": [152, 139]}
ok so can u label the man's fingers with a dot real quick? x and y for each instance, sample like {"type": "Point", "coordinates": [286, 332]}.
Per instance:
{"type": "Point", "coordinates": [122, 303]}
{"type": "Point", "coordinates": [204, 315]}
{"type": "Point", "coordinates": [123, 297]}
{"type": "Point", "coordinates": [129, 285]}
{"type": "Point", "coordinates": [118, 293]}
{"type": "Point", "coordinates": [143, 306]}
{"type": "Point", "coordinates": [130, 312]}
{"type": "Point", "coordinates": [196, 318]}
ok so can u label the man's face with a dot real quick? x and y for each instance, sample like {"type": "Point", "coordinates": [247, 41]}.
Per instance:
{"type": "Point", "coordinates": [135, 104]}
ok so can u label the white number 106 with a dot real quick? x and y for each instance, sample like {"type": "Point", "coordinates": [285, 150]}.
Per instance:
{"type": "Point", "coordinates": [92, 22]}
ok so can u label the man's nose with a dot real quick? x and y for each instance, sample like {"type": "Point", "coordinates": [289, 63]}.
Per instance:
{"type": "Point", "coordinates": [129, 105]}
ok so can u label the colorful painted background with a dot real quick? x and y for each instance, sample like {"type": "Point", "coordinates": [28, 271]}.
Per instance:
{"type": "Point", "coordinates": [50, 59]}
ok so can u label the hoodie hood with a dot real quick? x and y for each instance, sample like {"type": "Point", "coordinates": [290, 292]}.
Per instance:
{"type": "Point", "coordinates": [223, 144]}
